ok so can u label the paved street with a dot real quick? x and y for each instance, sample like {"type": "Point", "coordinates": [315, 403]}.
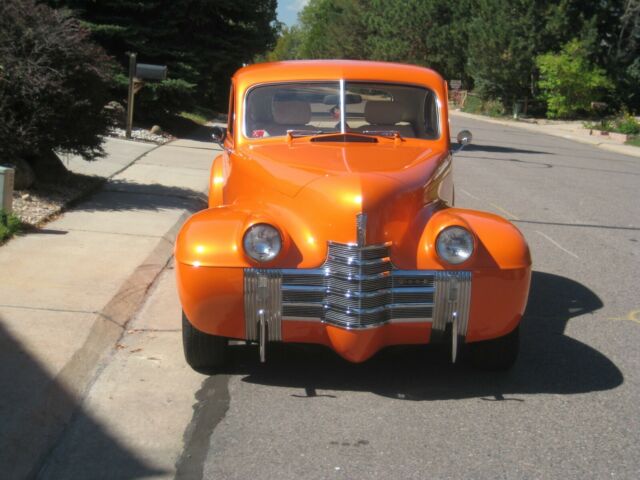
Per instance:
{"type": "Point", "coordinates": [568, 409]}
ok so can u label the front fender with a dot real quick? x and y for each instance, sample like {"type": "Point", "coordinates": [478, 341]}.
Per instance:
{"type": "Point", "coordinates": [500, 268]}
{"type": "Point", "coordinates": [212, 238]}
{"type": "Point", "coordinates": [499, 244]}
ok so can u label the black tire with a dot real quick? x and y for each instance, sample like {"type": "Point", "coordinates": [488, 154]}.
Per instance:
{"type": "Point", "coordinates": [201, 350]}
{"type": "Point", "coordinates": [498, 354]}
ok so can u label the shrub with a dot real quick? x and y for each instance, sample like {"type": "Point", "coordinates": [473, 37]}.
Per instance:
{"type": "Point", "coordinates": [158, 100]}
{"type": "Point", "coordinates": [475, 104]}
{"type": "Point", "coordinates": [569, 82]}
{"type": "Point", "coordinates": [625, 123]}
{"type": "Point", "coordinates": [53, 84]}
{"type": "Point", "coordinates": [628, 124]}
{"type": "Point", "coordinates": [9, 225]}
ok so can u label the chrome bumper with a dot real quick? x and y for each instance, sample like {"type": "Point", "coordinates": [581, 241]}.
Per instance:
{"type": "Point", "coordinates": [356, 288]}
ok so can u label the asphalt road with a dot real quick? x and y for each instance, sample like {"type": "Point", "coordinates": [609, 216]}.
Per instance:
{"type": "Point", "coordinates": [569, 408]}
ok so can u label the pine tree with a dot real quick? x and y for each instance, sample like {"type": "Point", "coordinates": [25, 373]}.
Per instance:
{"type": "Point", "coordinates": [201, 41]}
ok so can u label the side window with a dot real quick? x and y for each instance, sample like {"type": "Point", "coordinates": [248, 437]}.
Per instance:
{"type": "Point", "coordinates": [232, 113]}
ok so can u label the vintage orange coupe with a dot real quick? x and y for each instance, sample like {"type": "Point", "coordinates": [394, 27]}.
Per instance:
{"type": "Point", "coordinates": [331, 221]}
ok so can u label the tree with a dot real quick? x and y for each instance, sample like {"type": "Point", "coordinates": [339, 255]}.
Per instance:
{"type": "Point", "coordinates": [503, 42]}
{"type": "Point", "coordinates": [333, 29]}
{"type": "Point", "coordinates": [569, 81]}
{"type": "Point", "coordinates": [288, 45]}
{"type": "Point", "coordinates": [201, 41]}
{"type": "Point", "coordinates": [610, 34]}
{"type": "Point", "coordinates": [431, 33]}
{"type": "Point", "coordinates": [53, 86]}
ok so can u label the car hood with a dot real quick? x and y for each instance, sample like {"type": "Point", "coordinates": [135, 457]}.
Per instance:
{"type": "Point", "coordinates": [289, 168]}
{"type": "Point", "coordinates": [321, 188]}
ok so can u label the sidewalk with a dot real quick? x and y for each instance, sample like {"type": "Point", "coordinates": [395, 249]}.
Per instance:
{"type": "Point", "coordinates": [68, 290]}
{"type": "Point", "coordinates": [569, 130]}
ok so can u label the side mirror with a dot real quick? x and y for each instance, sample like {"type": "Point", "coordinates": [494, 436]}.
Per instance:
{"type": "Point", "coordinates": [218, 134]}
{"type": "Point", "coordinates": [464, 138]}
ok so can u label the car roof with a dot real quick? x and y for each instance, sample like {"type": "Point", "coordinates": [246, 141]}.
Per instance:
{"type": "Point", "coordinates": [304, 70]}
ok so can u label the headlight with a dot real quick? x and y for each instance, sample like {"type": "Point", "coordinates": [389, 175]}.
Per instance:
{"type": "Point", "coordinates": [454, 245]}
{"type": "Point", "coordinates": [262, 242]}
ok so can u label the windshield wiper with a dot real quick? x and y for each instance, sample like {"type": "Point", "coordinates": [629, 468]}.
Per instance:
{"type": "Point", "coordinates": [383, 133]}
{"type": "Point", "coordinates": [303, 133]}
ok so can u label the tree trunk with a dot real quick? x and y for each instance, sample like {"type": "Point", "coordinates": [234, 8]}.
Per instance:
{"type": "Point", "coordinates": [24, 176]}
{"type": "Point", "coordinates": [48, 167]}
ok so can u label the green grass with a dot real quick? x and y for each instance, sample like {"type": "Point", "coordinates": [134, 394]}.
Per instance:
{"type": "Point", "coordinates": [635, 141]}
{"type": "Point", "coordinates": [9, 225]}
{"type": "Point", "coordinates": [199, 115]}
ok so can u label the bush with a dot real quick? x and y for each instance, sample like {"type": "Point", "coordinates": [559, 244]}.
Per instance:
{"type": "Point", "coordinates": [475, 104]}
{"type": "Point", "coordinates": [628, 124]}
{"type": "Point", "coordinates": [625, 123]}
{"type": "Point", "coordinates": [569, 82]}
{"type": "Point", "coordinates": [156, 101]}
{"type": "Point", "coordinates": [53, 84]}
{"type": "Point", "coordinates": [9, 225]}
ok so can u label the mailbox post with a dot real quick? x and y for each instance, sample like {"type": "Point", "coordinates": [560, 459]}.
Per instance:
{"type": "Point", "coordinates": [132, 73]}
{"type": "Point", "coordinates": [138, 72]}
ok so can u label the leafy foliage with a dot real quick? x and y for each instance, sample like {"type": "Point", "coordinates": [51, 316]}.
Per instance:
{"type": "Point", "coordinates": [502, 46]}
{"type": "Point", "coordinates": [422, 32]}
{"type": "Point", "coordinates": [202, 42]}
{"type": "Point", "coordinates": [625, 123]}
{"type": "Point", "coordinates": [491, 45]}
{"type": "Point", "coordinates": [53, 83]}
{"type": "Point", "coordinates": [570, 82]}
{"type": "Point", "coordinates": [288, 45]}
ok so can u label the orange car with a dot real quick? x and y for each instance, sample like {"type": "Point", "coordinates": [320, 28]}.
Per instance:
{"type": "Point", "coordinates": [331, 221]}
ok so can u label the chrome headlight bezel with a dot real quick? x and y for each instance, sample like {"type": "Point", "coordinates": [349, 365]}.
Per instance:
{"type": "Point", "coordinates": [262, 242]}
{"type": "Point", "coordinates": [455, 244]}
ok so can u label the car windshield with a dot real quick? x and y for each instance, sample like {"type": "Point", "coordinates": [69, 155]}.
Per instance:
{"type": "Point", "coordinates": [312, 108]}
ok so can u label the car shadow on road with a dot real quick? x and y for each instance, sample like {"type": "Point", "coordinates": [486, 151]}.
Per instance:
{"type": "Point", "coordinates": [35, 410]}
{"type": "Point", "coordinates": [474, 147]}
{"type": "Point", "coordinates": [549, 362]}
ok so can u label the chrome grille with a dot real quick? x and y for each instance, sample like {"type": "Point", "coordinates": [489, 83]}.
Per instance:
{"type": "Point", "coordinates": [358, 287]}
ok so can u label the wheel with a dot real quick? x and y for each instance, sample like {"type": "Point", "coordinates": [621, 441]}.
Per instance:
{"type": "Point", "coordinates": [201, 350]}
{"type": "Point", "coordinates": [498, 354]}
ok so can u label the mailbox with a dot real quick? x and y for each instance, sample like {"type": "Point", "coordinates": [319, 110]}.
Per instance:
{"type": "Point", "coordinates": [147, 71]}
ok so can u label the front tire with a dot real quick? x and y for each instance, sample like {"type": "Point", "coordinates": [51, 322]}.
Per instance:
{"type": "Point", "coordinates": [498, 354]}
{"type": "Point", "coordinates": [202, 350]}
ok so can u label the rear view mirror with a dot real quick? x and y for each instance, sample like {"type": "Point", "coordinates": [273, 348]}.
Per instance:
{"type": "Point", "coordinates": [349, 99]}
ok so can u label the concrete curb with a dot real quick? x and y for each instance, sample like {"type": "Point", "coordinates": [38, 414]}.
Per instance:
{"type": "Point", "coordinates": [612, 147]}
{"type": "Point", "coordinates": [64, 397]}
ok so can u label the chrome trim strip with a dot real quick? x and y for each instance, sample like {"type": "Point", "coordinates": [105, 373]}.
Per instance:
{"type": "Point", "coordinates": [357, 262]}
{"type": "Point", "coordinates": [263, 292]}
{"type": "Point", "coordinates": [303, 288]}
{"type": "Point", "coordinates": [354, 247]}
{"type": "Point", "coordinates": [302, 319]}
{"type": "Point", "coordinates": [361, 229]}
{"type": "Point", "coordinates": [343, 113]}
{"type": "Point", "coordinates": [453, 295]}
